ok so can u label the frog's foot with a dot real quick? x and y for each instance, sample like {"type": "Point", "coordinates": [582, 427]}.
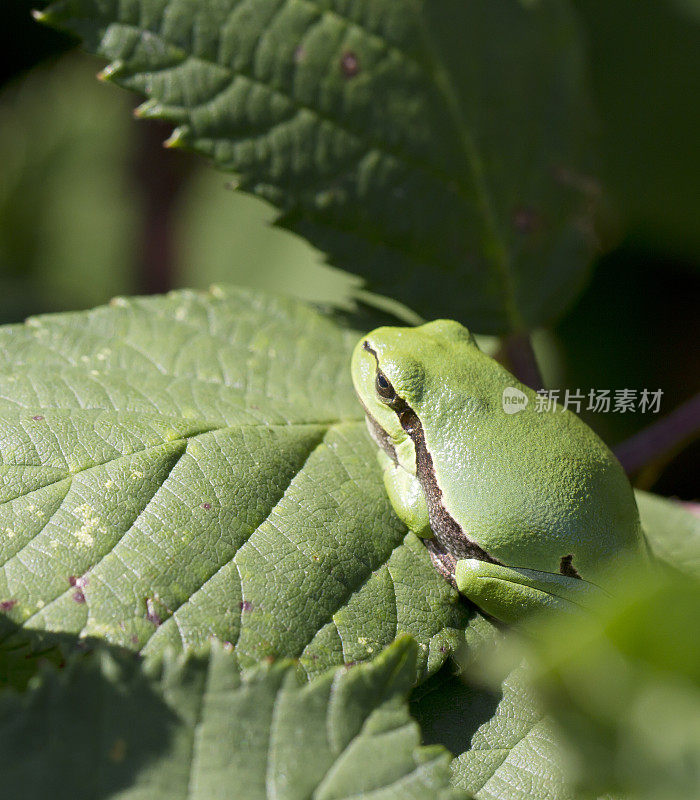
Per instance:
{"type": "Point", "coordinates": [510, 594]}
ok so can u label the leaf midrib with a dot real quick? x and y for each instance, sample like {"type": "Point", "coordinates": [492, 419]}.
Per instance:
{"type": "Point", "coordinates": [184, 440]}
{"type": "Point", "coordinates": [474, 169]}
{"type": "Point", "coordinates": [70, 474]}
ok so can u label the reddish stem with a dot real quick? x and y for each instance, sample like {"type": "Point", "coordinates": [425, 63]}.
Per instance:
{"type": "Point", "coordinates": [662, 437]}
{"type": "Point", "coordinates": [522, 360]}
{"type": "Point", "coordinates": [160, 176]}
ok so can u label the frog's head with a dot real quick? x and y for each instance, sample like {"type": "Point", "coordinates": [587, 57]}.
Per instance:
{"type": "Point", "coordinates": [396, 371]}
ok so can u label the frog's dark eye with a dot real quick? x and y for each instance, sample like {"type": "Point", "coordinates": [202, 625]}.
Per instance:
{"type": "Point", "coordinates": [384, 389]}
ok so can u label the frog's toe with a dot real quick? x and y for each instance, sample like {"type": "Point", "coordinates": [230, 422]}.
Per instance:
{"type": "Point", "coordinates": [510, 594]}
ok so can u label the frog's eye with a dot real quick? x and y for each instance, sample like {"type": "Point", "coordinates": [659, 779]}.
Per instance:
{"type": "Point", "coordinates": [384, 389]}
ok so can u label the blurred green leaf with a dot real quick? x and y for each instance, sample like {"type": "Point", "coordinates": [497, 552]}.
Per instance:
{"type": "Point", "coordinates": [644, 72]}
{"type": "Point", "coordinates": [72, 218]}
{"type": "Point", "coordinates": [624, 685]}
{"type": "Point", "coordinates": [502, 733]}
{"type": "Point", "coordinates": [68, 213]}
{"type": "Point", "coordinates": [197, 465]}
{"type": "Point", "coordinates": [672, 531]}
{"type": "Point", "coordinates": [439, 148]}
{"type": "Point", "coordinates": [109, 726]}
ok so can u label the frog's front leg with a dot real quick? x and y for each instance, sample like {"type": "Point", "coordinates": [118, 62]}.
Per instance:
{"type": "Point", "coordinates": [510, 594]}
{"type": "Point", "coordinates": [406, 496]}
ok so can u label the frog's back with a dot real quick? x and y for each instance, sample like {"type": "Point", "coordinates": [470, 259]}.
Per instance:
{"type": "Point", "coordinates": [535, 489]}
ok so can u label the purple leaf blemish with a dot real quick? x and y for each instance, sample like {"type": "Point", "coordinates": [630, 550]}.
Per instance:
{"type": "Point", "coordinates": [349, 64]}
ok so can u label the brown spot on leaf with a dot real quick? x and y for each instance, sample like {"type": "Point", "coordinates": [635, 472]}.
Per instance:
{"type": "Point", "coordinates": [151, 614]}
{"type": "Point", "coordinates": [246, 605]}
{"type": "Point", "coordinates": [78, 596]}
{"type": "Point", "coordinates": [349, 64]}
{"type": "Point", "coordinates": [37, 417]}
{"type": "Point", "coordinates": [206, 506]}
{"type": "Point", "coordinates": [8, 605]}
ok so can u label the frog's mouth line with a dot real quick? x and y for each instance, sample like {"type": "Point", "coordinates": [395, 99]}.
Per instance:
{"type": "Point", "coordinates": [451, 543]}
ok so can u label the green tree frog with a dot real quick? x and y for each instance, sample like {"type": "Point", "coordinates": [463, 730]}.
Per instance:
{"type": "Point", "coordinates": [516, 509]}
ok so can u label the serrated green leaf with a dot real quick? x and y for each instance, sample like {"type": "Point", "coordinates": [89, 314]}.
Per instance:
{"type": "Point", "coordinates": [196, 465]}
{"type": "Point", "coordinates": [110, 726]}
{"type": "Point", "coordinates": [504, 744]}
{"type": "Point", "coordinates": [438, 148]}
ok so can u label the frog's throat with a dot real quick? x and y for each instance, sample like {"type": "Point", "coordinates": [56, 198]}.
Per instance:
{"type": "Point", "coordinates": [453, 541]}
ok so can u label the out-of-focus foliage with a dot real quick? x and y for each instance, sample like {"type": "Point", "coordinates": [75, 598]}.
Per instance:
{"type": "Point", "coordinates": [72, 207]}
{"type": "Point", "coordinates": [221, 233]}
{"type": "Point", "coordinates": [624, 686]}
{"type": "Point", "coordinates": [68, 214]}
{"type": "Point", "coordinates": [673, 532]}
{"type": "Point", "coordinates": [643, 61]}
{"type": "Point", "coordinates": [486, 710]}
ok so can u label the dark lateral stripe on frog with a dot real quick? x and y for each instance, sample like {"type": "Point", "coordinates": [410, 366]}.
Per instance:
{"type": "Point", "coordinates": [452, 539]}
{"type": "Point", "coordinates": [445, 563]}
